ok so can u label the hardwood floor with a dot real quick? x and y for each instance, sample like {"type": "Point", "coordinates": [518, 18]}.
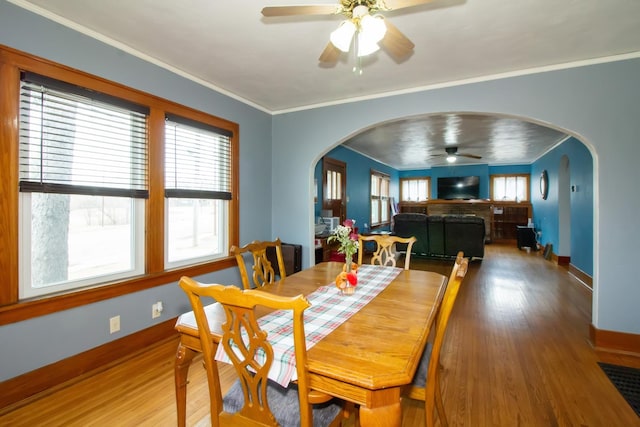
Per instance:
{"type": "Point", "coordinates": [516, 354]}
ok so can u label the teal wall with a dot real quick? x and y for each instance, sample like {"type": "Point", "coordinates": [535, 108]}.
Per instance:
{"type": "Point", "coordinates": [546, 212]}
{"type": "Point", "coordinates": [358, 183]}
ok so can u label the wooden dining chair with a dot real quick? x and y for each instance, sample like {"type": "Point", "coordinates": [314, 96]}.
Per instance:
{"type": "Point", "coordinates": [189, 346]}
{"type": "Point", "coordinates": [386, 253]}
{"type": "Point", "coordinates": [262, 271]}
{"type": "Point", "coordinates": [254, 399]}
{"type": "Point", "coordinates": [426, 381]}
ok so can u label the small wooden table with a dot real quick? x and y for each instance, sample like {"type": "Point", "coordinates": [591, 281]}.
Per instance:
{"type": "Point", "coordinates": [369, 358]}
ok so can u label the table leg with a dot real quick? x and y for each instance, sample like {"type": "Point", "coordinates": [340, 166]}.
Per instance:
{"type": "Point", "coordinates": [381, 416]}
{"type": "Point", "coordinates": [184, 356]}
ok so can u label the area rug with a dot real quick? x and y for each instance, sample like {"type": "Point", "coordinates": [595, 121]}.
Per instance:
{"type": "Point", "coordinates": [627, 381]}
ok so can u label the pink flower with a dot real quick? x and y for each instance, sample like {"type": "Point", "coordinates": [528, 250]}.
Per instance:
{"type": "Point", "coordinates": [348, 223]}
{"type": "Point", "coordinates": [353, 236]}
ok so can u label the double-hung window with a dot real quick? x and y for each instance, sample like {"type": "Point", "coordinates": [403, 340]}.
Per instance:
{"type": "Point", "coordinates": [380, 183]}
{"type": "Point", "coordinates": [83, 182]}
{"type": "Point", "coordinates": [197, 191]}
{"type": "Point", "coordinates": [512, 188]}
{"type": "Point", "coordinates": [414, 189]}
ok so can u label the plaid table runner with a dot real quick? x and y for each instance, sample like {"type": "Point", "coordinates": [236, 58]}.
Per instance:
{"type": "Point", "coordinates": [328, 310]}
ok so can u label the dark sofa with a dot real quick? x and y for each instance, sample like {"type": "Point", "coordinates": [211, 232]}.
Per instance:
{"type": "Point", "coordinates": [442, 236]}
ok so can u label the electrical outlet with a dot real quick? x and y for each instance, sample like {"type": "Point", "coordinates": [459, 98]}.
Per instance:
{"type": "Point", "coordinates": [114, 324]}
{"type": "Point", "coordinates": [156, 310]}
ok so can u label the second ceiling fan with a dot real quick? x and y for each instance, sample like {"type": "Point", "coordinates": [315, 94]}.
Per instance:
{"type": "Point", "coordinates": [364, 26]}
{"type": "Point", "coordinates": [452, 154]}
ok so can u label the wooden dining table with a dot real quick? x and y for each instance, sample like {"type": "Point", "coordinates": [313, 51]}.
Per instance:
{"type": "Point", "coordinates": [366, 360]}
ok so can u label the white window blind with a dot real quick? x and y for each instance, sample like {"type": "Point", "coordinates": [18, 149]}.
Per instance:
{"type": "Point", "coordinates": [76, 141]}
{"type": "Point", "coordinates": [197, 160]}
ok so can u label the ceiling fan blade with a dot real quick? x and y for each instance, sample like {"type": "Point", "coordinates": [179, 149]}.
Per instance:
{"type": "Point", "coordinates": [401, 4]}
{"type": "Point", "coordinates": [318, 9]}
{"type": "Point", "coordinates": [472, 156]}
{"type": "Point", "coordinates": [330, 54]}
{"type": "Point", "coordinates": [396, 43]}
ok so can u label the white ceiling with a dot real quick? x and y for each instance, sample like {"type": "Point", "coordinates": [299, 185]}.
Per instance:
{"type": "Point", "coordinates": [272, 63]}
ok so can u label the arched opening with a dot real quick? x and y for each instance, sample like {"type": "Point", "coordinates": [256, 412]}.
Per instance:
{"type": "Point", "coordinates": [553, 216]}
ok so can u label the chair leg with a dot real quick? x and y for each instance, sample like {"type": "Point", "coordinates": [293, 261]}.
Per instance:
{"type": "Point", "coordinates": [440, 407]}
{"type": "Point", "coordinates": [184, 356]}
{"type": "Point", "coordinates": [428, 412]}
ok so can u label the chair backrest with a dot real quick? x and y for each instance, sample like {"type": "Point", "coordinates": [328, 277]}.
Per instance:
{"type": "Point", "coordinates": [458, 273]}
{"type": "Point", "coordinates": [242, 339]}
{"type": "Point", "coordinates": [385, 253]}
{"type": "Point", "coordinates": [262, 271]}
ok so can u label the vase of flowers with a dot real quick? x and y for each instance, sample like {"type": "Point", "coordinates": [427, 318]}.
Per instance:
{"type": "Point", "coordinates": [348, 245]}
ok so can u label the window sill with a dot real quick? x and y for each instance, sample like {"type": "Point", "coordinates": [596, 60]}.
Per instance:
{"type": "Point", "coordinates": [28, 309]}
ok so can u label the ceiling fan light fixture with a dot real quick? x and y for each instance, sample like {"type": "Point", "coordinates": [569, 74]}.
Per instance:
{"type": "Point", "coordinates": [373, 27]}
{"type": "Point", "coordinates": [451, 158]}
{"type": "Point", "coordinates": [341, 37]}
{"type": "Point", "coordinates": [366, 46]}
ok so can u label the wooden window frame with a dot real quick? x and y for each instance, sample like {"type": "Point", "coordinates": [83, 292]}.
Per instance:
{"type": "Point", "coordinates": [12, 63]}
{"type": "Point", "coordinates": [382, 176]}
{"type": "Point", "coordinates": [508, 175]}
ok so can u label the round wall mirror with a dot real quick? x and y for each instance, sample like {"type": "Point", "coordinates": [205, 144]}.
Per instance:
{"type": "Point", "coordinates": [544, 184]}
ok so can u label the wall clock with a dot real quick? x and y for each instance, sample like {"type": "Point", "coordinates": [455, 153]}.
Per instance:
{"type": "Point", "coordinates": [544, 184]}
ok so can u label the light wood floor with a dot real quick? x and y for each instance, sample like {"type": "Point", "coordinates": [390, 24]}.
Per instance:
{"type": "Point", "coordinates": [516, 354]}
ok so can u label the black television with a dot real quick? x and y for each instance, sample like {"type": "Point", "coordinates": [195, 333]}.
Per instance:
{"type": "Point", "coordinates": [459, 187]}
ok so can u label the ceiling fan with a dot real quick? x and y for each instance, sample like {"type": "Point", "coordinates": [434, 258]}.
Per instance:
{"type": "Point", "coordinates": [363, 26]}
{"type": "Point", "coordinates": [452, 154]}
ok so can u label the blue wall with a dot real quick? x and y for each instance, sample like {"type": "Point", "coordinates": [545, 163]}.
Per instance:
{"type": "Point", "coordinates": [39, 341]}
{"type": "Point", "coordinates": [546, 212]}
{"type": "Point", "coordinates": [358, 183]}
{"type": "Point", "coordinates": [599, 104]}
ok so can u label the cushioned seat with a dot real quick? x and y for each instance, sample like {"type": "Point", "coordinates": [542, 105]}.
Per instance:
{"type": "Point", "coordinates": [284, 404]}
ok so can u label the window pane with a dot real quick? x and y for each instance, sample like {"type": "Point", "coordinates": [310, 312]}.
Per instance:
{"type": "Point", "coordinates": [384, 210]}
{"type": "Point", "coordinates": [521, 188]}
{"type": "Point", "coordinates": [423, 190]}
{"type": "Point", "coordinates": [499, 192]}
{"type": "Point", "coordinates": [78, 240]}
{"type": "Point", "coordinates": [414, 189]}
{"type": "Point", "coordinates": [375, 185]}
{"type": "Point", "coordinates": [195, 229]}
{"type": "Point", "coordinates": [510, 188]}
{"type": "Point", "coordinates": [375, 206]}
{"type": "Point", "coordinates": [405, 190]}
{"type": "Point", "coordinates": [384, 187]}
